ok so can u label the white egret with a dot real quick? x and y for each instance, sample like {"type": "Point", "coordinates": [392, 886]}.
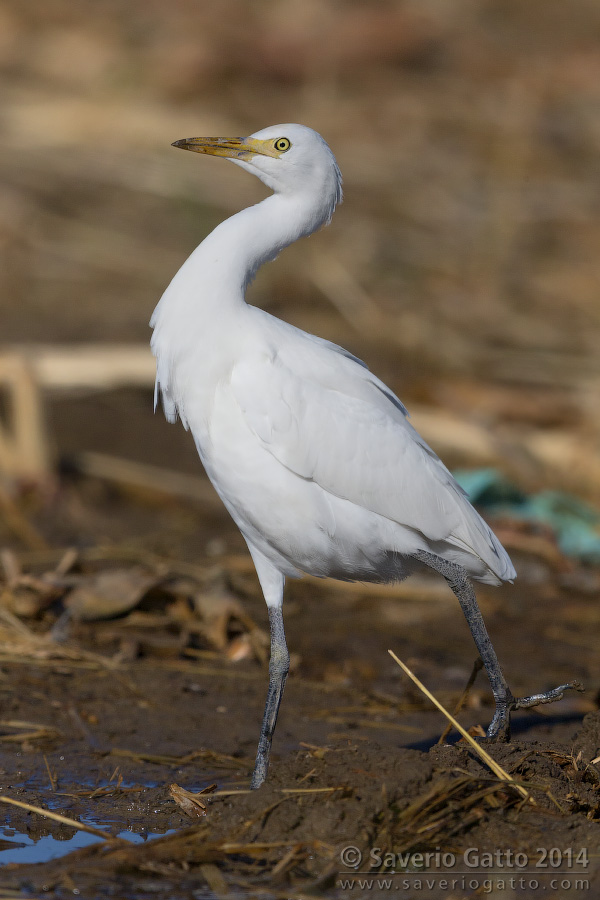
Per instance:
{"type": "Point", "coordinates": [312, 455]}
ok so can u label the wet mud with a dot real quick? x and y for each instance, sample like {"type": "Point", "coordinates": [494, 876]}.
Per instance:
{"type": "Point", "coordinates": [99, 729]}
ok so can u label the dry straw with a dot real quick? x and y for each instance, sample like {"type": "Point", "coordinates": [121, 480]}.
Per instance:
{"type": "Point", "coordinates": [64, 820]}
{"type": "Point", "coordinates": [488, 760]}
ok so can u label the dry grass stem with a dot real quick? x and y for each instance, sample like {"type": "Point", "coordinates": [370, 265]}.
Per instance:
{"type": "Point", "coordinates": [487, 759]}
{"type": "Point", "coordinates": [168, 760]}
{"type": "Point", "coordinates": [64, 820]}
{"type": "Point", "coordinates": [263, 813]}
{"type": "Point", "coordinates": [323, 790]}
{"type": "Point", "coordinates": [106, 791]}
{"type": "Point", "coordinates": [232, 792]}
{"type": "Point", "coordinates": [51, 774]}
{"type": "Point", "coordinates": [287, 861]}
{"type": "Point", "coordinates": [477, 667]}
{"type": "Point", "coordinates": [256, 847]}
{"type": "Point", "coordinates": [449, 807]}
{"type": "Point", "coordinates": [32, 731]}
{"type": "Point", "coordinates": [214, 879]}
{"type": "Point", "coordinates": [367, 723]}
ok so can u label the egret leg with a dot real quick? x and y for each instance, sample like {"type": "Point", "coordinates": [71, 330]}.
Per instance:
{"type": "Point", "coordinates": [272, 583]}
{"type": "Point", "coordinates": [459, 582]}
{"type": "Point", "coordinates": [278, 669]}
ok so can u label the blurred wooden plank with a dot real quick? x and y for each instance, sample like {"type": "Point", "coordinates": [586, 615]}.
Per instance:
{"type": "Point", "coordinates": [563, 458]}
{"type": "Point", "coordinates": [87, 366]}
{"type": "Point", "coordinates": [154, 479]}
{"type": "Point", "coordinates": [26, 371]}
{"type": "Point", "coordinates": [24, 447]}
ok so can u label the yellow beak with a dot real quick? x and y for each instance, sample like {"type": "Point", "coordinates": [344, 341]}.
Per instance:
{"type": "Point", "coordinates": [235, 148]}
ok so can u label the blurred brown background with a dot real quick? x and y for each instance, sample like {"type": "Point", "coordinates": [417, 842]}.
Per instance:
{"type": "Point", "coordinates": [463, 265]}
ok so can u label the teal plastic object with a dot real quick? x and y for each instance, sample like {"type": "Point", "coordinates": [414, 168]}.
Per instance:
{"type": "Point", "coordinates": [576, 524]}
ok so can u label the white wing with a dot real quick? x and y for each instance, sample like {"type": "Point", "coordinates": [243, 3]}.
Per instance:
{"type": "Point", "coordinates": [324, 416]}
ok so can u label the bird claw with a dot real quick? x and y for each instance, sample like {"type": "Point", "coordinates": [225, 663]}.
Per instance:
{"type": "Point", "coordinates": [499, 728]}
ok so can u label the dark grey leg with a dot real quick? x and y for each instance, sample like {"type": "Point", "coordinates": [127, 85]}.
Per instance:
{"type": "Point", "coordinates": [279, 667]}
{"type": "Point", "coordinates": [505, 702]}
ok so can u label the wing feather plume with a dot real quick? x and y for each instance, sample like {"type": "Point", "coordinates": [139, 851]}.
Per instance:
{"type": "Point", "coordinates": [339, 426]}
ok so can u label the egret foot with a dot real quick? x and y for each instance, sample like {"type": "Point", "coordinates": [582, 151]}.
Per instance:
{"type": "Point", "coordinates": [499, 727]}
{"type": "Point", "coordinates": [457, 578]}
{"type": "Point", "coordinates": [279, 667]}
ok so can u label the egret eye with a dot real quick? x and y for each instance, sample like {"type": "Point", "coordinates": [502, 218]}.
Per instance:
{"type": "Point", "coordinates": [282, 144]}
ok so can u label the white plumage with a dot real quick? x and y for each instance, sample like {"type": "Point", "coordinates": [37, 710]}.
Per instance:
{"type": "Point", "coordinates": [312, 455]}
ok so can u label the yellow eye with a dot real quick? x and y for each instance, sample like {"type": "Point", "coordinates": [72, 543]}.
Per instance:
{"type": "Point", "coordinates": [282, 144]}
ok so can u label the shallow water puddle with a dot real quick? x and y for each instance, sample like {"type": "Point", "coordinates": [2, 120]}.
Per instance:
{"type": "Point", "coordinates": [25, 849]}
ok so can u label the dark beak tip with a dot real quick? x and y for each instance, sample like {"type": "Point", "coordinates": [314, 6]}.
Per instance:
{"type": "Point", "coordinates": [180, 143]}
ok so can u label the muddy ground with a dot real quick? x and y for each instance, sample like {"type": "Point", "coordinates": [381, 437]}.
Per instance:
{"type": "Point", "coordinates": [101, 717]}
{"type": "Point", "coordinates": [463, 268]}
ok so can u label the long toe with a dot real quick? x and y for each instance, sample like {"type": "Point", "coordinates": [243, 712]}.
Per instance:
{"type": "Point", "coordinates": [547, 696]}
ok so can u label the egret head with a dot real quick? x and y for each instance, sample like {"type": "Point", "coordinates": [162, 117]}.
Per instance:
{"type": "Point", "coordinates": [289, 159]}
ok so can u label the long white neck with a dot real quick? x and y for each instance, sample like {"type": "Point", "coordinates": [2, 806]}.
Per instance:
{"type": "Point", "coordinates": [230, 256]}
{"type": "Point", "coordinates": [210, 286]}
{"type": "Point", "coordinates": [213, 280]}
{"type": "Point", "coordinates": [208, 292]}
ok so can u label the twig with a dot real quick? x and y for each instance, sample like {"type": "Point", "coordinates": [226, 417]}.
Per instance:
{"type": "Point", "coordinates": [92, 740]}
{"type": "Point", "coordinates": [215, 880]}
{"type": "Point", "coordinates": [369, 723]}
{"type": "Point", "coordinates": [477, 667]}
{"type": "Point", "coordinates": [10, 564]}
{"type": "Point", "coordinates": [16, 624]}
{"type": "Point", "coordinates": [64, 820]}
{"type": "Point", "coordinates": [263, 813]}
{"type": "Point", "coordinates": [51, 776]}
{"type": "Point", "coordinates": [53, 556]}
{"type": "Point", "coordinates": [166, 759]}
{"type": "Point", "coordinates": [488, 760]}
{"type": "Point", "coordinates": [255, 846]}
{"type": "Point", "coordinates": [32, 731]}
{"type": "Point", "coordinates": [323, 790]}
{"type": "Point", "coordinates": [288, 860]}
{"type": "Point", "coordinates": [230, 793]}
